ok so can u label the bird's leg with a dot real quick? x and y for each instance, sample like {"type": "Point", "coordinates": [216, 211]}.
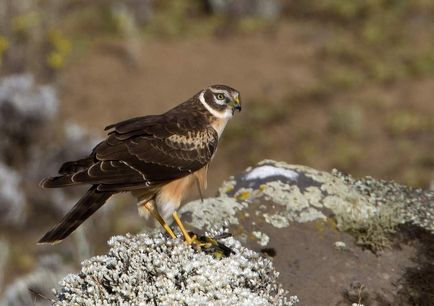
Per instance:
{"type": "Point", "coordinates": [199, 189]}
{"type": "Point", "coordinates": [160, 219]}
{"type": "Point", "coordinates": [206, 244]}
{"type": "Point", "coordinates": [178, 222]}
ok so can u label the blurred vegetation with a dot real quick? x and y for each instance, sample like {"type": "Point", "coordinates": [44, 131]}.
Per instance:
{"type": "Point", "coordinates": [362, 45]}
{"type": "Point", "coordinates": [352, 116]}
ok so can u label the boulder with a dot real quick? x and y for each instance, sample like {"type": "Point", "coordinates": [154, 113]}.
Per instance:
{"type": "Point", "coordinates": [333, 238]}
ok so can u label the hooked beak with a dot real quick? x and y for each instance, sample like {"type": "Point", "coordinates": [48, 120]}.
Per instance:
{"type": "Point", "coordinates": [236, 105]}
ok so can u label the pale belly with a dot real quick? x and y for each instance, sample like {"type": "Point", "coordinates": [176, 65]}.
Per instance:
{"type": "Point", "coordinates": [169, 196]}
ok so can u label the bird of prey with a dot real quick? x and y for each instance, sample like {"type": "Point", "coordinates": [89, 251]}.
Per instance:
{"type": "Point", "coordinates": [156, 158]}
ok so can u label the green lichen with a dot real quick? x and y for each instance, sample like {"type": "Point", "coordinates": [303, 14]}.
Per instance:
{"type": "Point", "coordinates": [370, 209]}
{"type": "Point", "coordinates": [227, 186]}
{"type": "Point", "coordinates": [373, 232]}
{"type": "Point", "coordinates": [213, 211]}
{"type": "Point", "coordinates": [277, 221]}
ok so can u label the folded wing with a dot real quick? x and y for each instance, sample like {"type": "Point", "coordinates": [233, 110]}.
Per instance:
{"type": "Point", "coordinates": [142, 152]}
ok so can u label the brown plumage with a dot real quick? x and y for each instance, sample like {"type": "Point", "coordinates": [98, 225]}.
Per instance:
{"type": "Point", "coordinates": [155, 157]}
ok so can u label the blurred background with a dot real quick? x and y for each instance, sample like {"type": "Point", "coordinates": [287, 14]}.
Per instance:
{"type": "Point", "coordinates": [327, 84]}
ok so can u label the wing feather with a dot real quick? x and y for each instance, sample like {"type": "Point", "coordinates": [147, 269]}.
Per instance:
{"type": "Point", "coordinates": [145, 151]}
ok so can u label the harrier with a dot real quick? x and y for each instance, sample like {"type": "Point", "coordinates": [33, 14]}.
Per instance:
{"type": "Point", "coordinates": [157, 158]}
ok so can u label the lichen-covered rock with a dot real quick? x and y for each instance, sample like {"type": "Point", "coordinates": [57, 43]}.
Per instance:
{"type": "Point", "coordinates": [321, 227]}
{"type": "Point", "coordinates": [280, 194]}
{"type": "Point", "coordinates": [155, 270]}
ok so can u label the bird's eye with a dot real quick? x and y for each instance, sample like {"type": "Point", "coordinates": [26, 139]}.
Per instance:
{"type": "Point", "coordinates": [220, 96]}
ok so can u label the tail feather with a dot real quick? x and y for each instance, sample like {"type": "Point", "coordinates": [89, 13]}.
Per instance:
{"type": "Point", "coordinates": [84, 208]}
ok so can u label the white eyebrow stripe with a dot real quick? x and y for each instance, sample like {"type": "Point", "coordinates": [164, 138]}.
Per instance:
{"type": "Point", "coordinates": [218, 90]}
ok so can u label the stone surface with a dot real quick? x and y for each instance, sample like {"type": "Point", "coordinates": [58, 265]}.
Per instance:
{"type": "Point", "coordinates": [334, 239]}
{"type": "Point", "coordinates": [297, 215]}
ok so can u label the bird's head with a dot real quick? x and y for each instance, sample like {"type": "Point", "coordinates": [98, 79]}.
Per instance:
{"type": "Point", "coordinates": [221, 100]}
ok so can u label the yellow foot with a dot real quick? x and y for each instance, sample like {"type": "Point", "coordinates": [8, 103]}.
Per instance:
{"type": "Point", "coordinates": [211, 245]}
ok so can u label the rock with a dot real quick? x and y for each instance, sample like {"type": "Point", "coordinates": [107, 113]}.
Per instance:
{"type": "Point", "coordinates": [279, 194]}
{"type": "Point", "coordinates": [156, 270]}
{"type": "Point", "coordinates": [333, 239]}
{"type": "Point", "coordinates": [325, 231]}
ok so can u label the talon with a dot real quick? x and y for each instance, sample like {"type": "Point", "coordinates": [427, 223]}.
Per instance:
{"type": "Point", "coordinates": [211, 245]}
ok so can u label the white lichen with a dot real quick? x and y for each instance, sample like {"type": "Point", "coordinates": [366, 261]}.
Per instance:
{"type": "Point", "coordinates": [227, 186]}
{"type": "Point", "coordinates": [340, 245]}
{"type": "Point", "coordinates": [263, 238]}
{"type": "Point", "coordinates": [266, 171]}
{"type": "Point", "coordinates": [145, 270]}
{"type": "Point", "coordinates": [276, 220]}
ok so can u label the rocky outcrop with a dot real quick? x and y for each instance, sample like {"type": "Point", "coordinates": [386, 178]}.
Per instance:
{"type": "Point", "coordinates": [343, 238]}
{"type": "Point", "coordinates": [333, 239]}
{"type": "Point", "coordinates": [279, 194]}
